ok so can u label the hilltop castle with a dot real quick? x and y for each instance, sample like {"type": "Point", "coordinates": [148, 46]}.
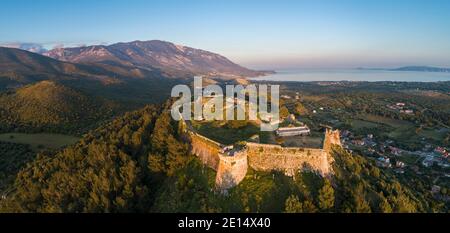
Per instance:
{"type": "Point", "coordinates": [231, 164]}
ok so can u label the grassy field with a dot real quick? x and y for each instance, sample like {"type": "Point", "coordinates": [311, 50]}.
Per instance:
{"type": "Point", "coordinates": [384, 120]}
{"type": "Point", "coordinates": [39, 141]}
{"type": "Point", "coordinates": [225, 135]}
{"type": "Point", "coordinates": [360, 124]}
{"type": "Point", "coordinates": [400, 130]}
{"type": "Point", "coordinates": [434, 134]}
{"type": "Point", "coordinates": [303, 141]}
{"type": "Point", "coordinates": [408, 158]}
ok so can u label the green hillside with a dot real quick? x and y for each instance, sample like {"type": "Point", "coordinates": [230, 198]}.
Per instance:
{"type": "Point", "coordinates": [48, 105]}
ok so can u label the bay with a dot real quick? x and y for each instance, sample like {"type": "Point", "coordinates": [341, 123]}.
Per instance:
{"type": "Point", "coordinates": [313, 75]}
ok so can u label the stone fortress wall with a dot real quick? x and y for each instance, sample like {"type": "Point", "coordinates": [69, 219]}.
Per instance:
{"type": "Point", "coordinates": [232, 169]}
{"type": "Point", "coordinates": [206, 150]}
{"type": "Point", "coordinates": [288, 160]}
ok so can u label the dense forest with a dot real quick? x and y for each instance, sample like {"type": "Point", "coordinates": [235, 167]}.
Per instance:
{"type": "Point", "coordinates": [140, 162]}
{"type": "Point", "coordinates": [13, 157]}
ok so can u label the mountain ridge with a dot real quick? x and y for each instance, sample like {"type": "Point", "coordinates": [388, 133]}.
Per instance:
{"type": "Point", "coordinates": [412, 68]}
{"type": "Point", "coordinates": [155, 54]}
{"type": "Point", "coordinates": [423, 69]}
{"type": "Point", "coordinates": [122, 83]}
{"type": "Point", "coordinates": [25, 63]}
{"type": "Point", "coordinates": [20, 67]}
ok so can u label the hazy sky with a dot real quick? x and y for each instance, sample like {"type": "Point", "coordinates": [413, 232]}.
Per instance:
{"type": "Point", "coordinates": [259, 34]}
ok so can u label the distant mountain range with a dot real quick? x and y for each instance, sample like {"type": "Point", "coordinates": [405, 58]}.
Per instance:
{"type": "Point", "coordinates": [115, 63]}
{"type": "Point", "coordinates": [26, 67]}
{"type": "Point", "coordinates": [17, 62]}
{"type": "Point", "coordinates": [153, 54]}
{"type": "Point", "coordinates": [126, 74]}
{"type": "Point", "coordinates": [422, 69]}
{"type": "Point", "coordinates": [19, 68]}
{"type": "Point", "coordinates": [413, 68]}
{"type": "Point", "coordinates": [73, 89]}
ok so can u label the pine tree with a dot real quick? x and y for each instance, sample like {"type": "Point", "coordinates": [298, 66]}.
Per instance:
{"type": "Point", "coordinates": [293, 205]}
{"type": "Point", "coordinates": [384, 206]}
{"type": "Point", "coordinates": [326, 196]}
{"type": "Point", "coordinates": [284, 112]}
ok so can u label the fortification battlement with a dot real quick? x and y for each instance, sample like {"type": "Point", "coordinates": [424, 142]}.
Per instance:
{"type": "Point", "coordinates": [277, 149]}
{"type": "Point", "coordinates": [332, 137]}
{"type": "Point", "coordinates": [207, 139]}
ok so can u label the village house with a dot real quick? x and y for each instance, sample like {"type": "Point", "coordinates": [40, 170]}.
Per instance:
{"type": "Point", "coordinates": [440, 150]}
{"type": "Point", "coordinates": [407, 111]}
{"type": "Point", "coordinates": [346, 133]}
{"type": "Point", "coordinates": [435, 189]}
{"type": "Point", "coordinates": [358, 142]}
{"type": "Point", "coordinates": [443, 152]}
{"type": "Point", "coordinates": [395, 150]}
{"type": "Point", "coordinates": [384, 162]}
{"type": "Point", "coordinates": [428, 161]}
{"type": "Point", "coordinates": [400, 164]}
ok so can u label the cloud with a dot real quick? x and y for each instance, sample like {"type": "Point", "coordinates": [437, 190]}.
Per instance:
{"type": "Point", "coordinates": [32, 47]}
{"type": "Point", "coordinates": [58, 46]}
{"type": "Point", "coordinates": [45, 47]}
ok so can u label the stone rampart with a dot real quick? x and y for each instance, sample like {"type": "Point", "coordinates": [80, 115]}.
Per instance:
{"type": "Point", "coordinates": [206, 150]}
{"type": "Point", "coordinates": [263, 157]}
{"type": "Point", "coordinates": [232, 168]}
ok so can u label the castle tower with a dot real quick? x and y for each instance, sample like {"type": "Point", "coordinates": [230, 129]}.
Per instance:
{"type": "Point", "coordinates": [232, 169]}
{"type": "Point", "coordinates": [332, 137]}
